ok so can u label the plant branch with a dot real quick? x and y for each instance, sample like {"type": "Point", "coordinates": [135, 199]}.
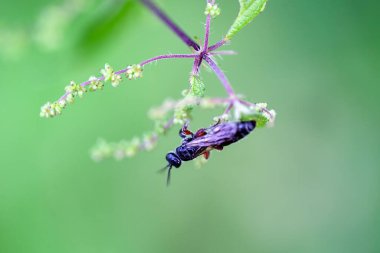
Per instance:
{"type": "Point", "coordinates": [166, 56]}
{"type": "Point", "coordinates": [122, 149]}
{"type": "Point", "coordinates": [220, 74]}
{"type": "Point", "coordinates": [207, 33]}
{"type": "Point", "coordinates": [160, 57]}
{"type": "Point", "coordinates": [225, 52]}
{"type": "Point", "coordinates": [197, 63]}
{"type": "Point", "coordinates": [172, 26]}
{"type": "Point", "coordinates": [217, 45]}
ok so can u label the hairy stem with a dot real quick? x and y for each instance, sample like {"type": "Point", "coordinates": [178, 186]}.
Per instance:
{"type": "Point", "coordinates": [197, 63]}
{"type": "Point", "coordinates": [217, 45]}
{"type": "Point", "coordinates": [172, 26]}
{"type": "Point", "coordinates": [224, 52]}
{"type": "Point", "coordinates": [220, 74]}
{"type": "Point", "coordinates": [229, 107]}
{"type": "Point", "coordinates": [207, 33]}
{"type": "Point", "coordinates": [207, 28]}
{"type": "Point", "coordinates": [166, 56]}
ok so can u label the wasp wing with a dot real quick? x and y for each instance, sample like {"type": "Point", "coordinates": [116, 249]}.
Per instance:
{"type": "Point", "coordinates": [199, 150]}
{"type": "Point", "coordinates": [216, 135]}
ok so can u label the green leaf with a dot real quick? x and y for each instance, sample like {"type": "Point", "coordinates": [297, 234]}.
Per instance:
{"type": "Point", "coordinates": [197, 87]}
{"type": "Point", "coordinates": [249, 9]}
{"type": "Point", "coordinates": [261, 120]}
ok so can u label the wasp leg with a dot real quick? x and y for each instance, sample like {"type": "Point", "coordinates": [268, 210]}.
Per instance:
{"type": "Point", "coordinates": [184, 132]}
{"type": "Point", "coordinates": [200, 132]}
{"type": "Point", "coordinates": [206, 155]}
{"type": "Point", "coordinates": [218, 147]}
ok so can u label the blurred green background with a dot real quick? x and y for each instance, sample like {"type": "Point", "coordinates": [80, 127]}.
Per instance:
{"type": "Point", "coordinates": [310, 184]}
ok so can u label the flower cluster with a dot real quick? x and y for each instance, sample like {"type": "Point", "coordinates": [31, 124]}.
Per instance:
{"type": "Point", "coordinates": [110, 75]}
{"type": "Point", "coordinates": [52, 109]}
{"type": "Point", "coordinates": [134, 72]}
{"type": "Point", "coordinates": [95, 84]}
{"type": "Point", "coordinates": [212, 9]}
{"type": "Point", "coordinates": [118, 150]}
{"type": "Point", "coordinates": [123, 149]}
{"type": "Point", "coordinates": [74, 90]}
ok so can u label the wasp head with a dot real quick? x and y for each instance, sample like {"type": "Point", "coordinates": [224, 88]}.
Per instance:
{"type": "Point", "coordinates": [173, 160]}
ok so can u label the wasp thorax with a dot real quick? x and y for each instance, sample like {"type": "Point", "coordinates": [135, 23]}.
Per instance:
{"type": "Point", "coordinates": [173, 160]}
{"type": "Point", "coordinates": [186, 153]}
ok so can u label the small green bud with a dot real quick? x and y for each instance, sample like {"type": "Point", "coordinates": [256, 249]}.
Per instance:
{"type": "Point", "coordinates": [46, 110]}
{"type": "Point", "coordinates": [107, 72]}
{"type": "Point", "coordinates": [213, 10]}
{"type": "Point", "coordinates": [182, 114]}
{"type": "Point", "coordinates": [62, 103]}
{"type": "Point", "coordinates": [80, 91]}
{"type": "Point", "coordinates": [51, 109]}
{"type": "Point", "coordinates": [115, 80]}
{"type": "Point", "coordinates": [56, 108]}
{"type": "Point", "coordinates": [134, 71]}
{"type": "Point", "coordinates": [75, 89]}
{"type": "Point", "coordinates": [95, 84]}
{"type": "Point", "coordinates": [69, 98]}
{"type": "Point", "coordinates": [69, 88]}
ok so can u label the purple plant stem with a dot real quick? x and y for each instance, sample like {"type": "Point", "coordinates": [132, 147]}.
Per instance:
{"type": "Point", "coordinates": [207, 33]}
{"type": "Point", "coordinates": [172, 26]}
{"type": "Point", "coordinates": [207, 29]}
{"type": "Point", "coordinates": [217, 101]}
{"type": "Point", "coordinates": [226, 52]}
{"type": "Point", "coordinates": [197, 63]}
{"type": "Point", "coordinates": [222, 77]}
{"type": "Point", "coordinates": [168, 56]}
{"type": "Point", "coordinates": [229, 107]}
{"type": "Point", "coordinates": [217, 45]}
{"type": "Point", "coordinates": [160, 57]}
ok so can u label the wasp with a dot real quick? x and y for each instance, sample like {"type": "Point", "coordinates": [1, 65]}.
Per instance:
{"type": "Point", "coordinates": [206, 139]}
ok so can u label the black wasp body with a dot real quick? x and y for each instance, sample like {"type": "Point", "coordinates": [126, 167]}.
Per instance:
{"type": "Point", "coordinates": [206, 139]}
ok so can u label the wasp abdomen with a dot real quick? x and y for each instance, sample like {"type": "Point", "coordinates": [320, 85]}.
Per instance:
{"type": "Point", "coordinates": [244, 128]}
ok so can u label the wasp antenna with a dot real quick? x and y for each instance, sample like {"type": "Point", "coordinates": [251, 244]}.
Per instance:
{"type": "Point", "coordinates": [168, 178]}
{"type": "Point", "coordinates": [163, 169]}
